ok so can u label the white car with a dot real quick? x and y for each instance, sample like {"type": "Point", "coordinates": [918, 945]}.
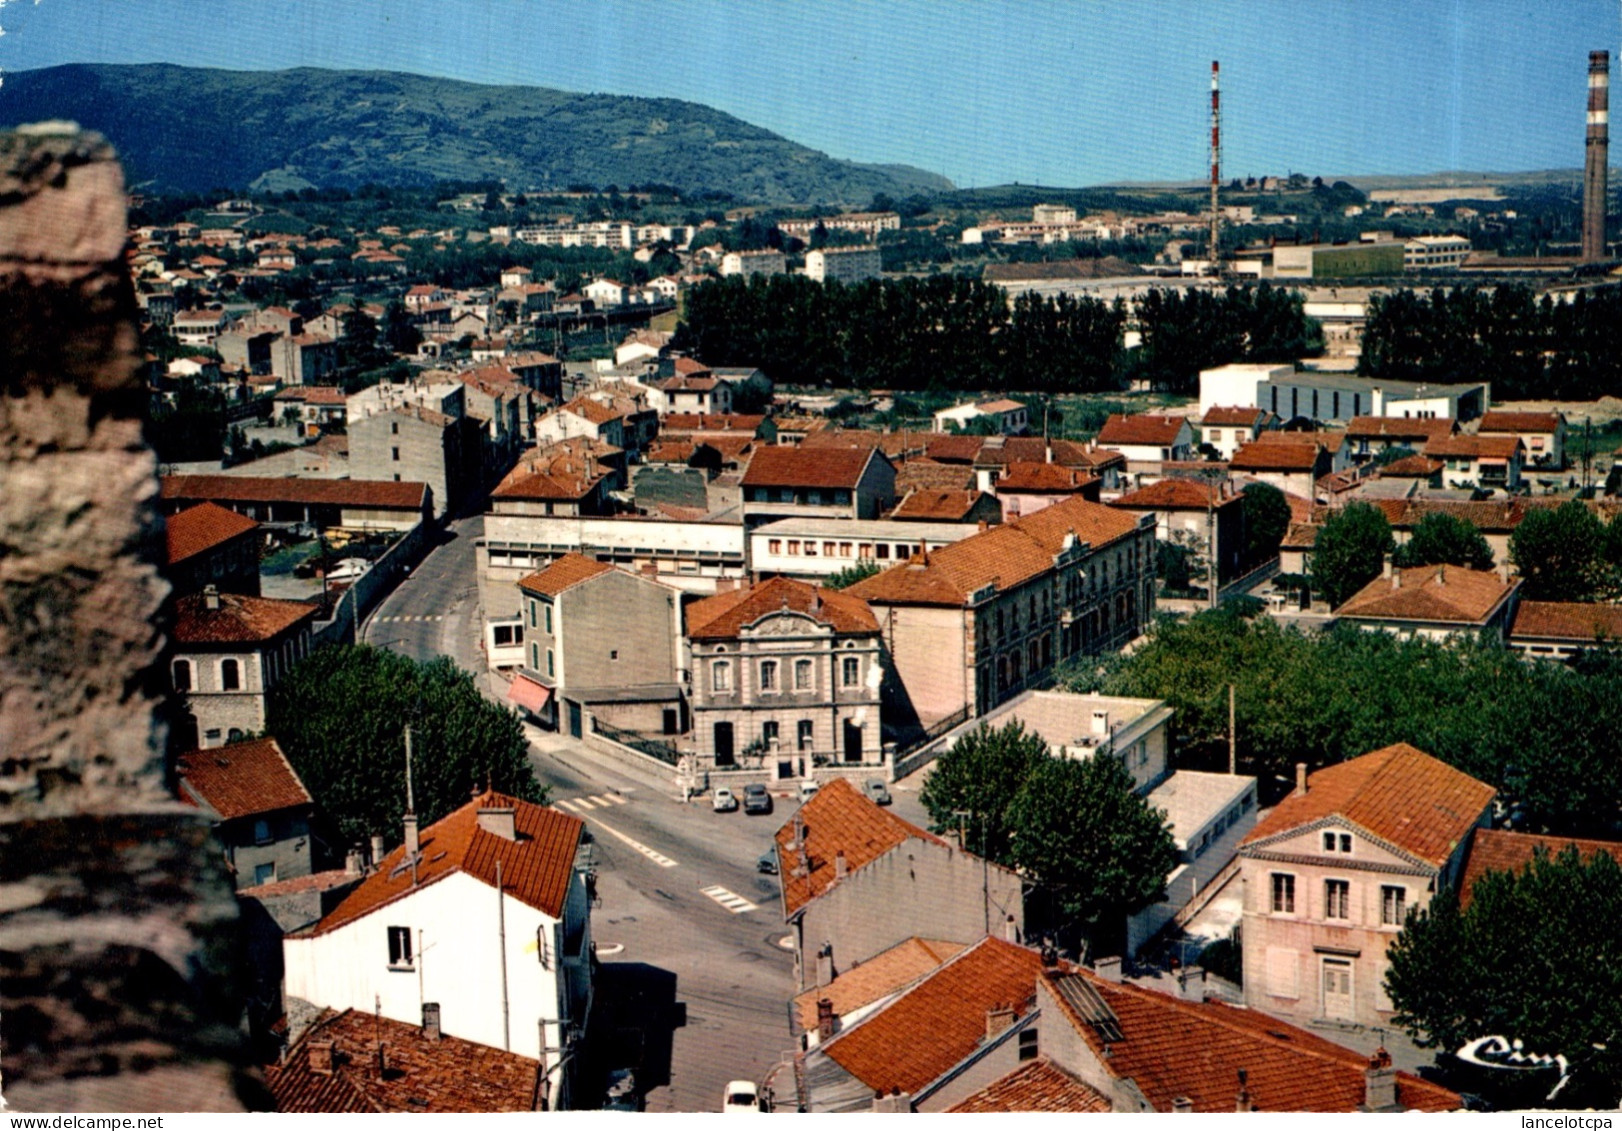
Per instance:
{"type": "Point", "coordinates": [724, 801]}
{"type": "Point", "coordinates": [740, 1098]}
{"type": "Point", "coordinates": [808, 789]}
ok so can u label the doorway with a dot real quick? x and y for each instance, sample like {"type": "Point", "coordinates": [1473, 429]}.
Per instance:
{"type": "Point", "coordinates": [1337, 989]}
{"type": "Point", "coordinates": [853, 742]}
{"type": "Point", "coordinates": [723, 744]}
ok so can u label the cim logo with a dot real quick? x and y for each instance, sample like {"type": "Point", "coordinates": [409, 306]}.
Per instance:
{"type": "Point", "coordinates": [1511, 1055]}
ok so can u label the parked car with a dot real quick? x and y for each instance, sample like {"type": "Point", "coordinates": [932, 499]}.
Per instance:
{"type": "Point", "coordinates": [877, 792]}
{"type": "Point", "coordinates": [808, 790]}
{"type": "Point", "coordinates": [756, 799]}
{"type": "Point", "coordinates": [724, 800]}
{"type": "Point", "coordinates": [741, 1097]}
{"type": "Point", "coordinates": [767, 862]}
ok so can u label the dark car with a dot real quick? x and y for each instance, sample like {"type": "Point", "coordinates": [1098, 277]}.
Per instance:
{"type": "Point", "coordinates": [876, 791]}
{"type": "Point", "coordinates": [756, 799]}
{"type": "Point", "coordinates": [767, 863]}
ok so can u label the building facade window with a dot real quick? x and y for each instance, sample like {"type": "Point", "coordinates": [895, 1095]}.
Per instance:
{"type": "Point", "coordinates": [182, 672]}
{"type": "Point", "coordinates": [400, 948]}
{"type": "Point", "coordinates": [551, 663]}
{"type": "Point", "coordinates": [261, 832]}
{"type": "Point", "coordinates": [804, 731]}
{"type": "Point", "coordinates": [1028, 1044]}
{"type": "Point", "coordinates": [1337, 899]}
{"type": "Point", "coordinates": [547, 617]}
{"type": "Point", "coordinates": [1393, 905]}
{"type": "Point", "coordinates": [768, 675]}
{"type": "Point", "coordinates": [769, 732]}
{"type": "Point", "coordinates": [802, 675]}
{"type": "Point", "coordinates": [721, 676]}
{"type": "Point", "coordinates": [1283, 893]}
{"type": "Point", "coordinates": [230, 675]}
{"type": "Point", "coordinates": [850, 671]}
{"type": "Point", "coordinates": [1337, 842]}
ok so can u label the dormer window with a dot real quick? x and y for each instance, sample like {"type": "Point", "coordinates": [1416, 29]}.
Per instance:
{"type": "Point", "coordinates": [1337, 842]}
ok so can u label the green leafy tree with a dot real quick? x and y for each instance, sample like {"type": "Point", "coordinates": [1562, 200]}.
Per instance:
{"type": "Point", "coordinates": [1385, 457]}
{"type": "Point", "coordinates": [1350, 551]}
{"type": "Point", "coordinates": [1535, 957]}
{"type": "Point", "coordinates": [973, 785]}
{"type": "Point", "coordinates": [340, 716]}
{"type": "Point", "coordinates": [1440, 538]}
{"type": "Point", "coordinates": [1558, 552]}
{"type": "Point", "coordinates": [1266, 516]}
{"type": "Point", "coordinates": [851, 574]}
{"type": "Point", "coordinates": [1081, 832]}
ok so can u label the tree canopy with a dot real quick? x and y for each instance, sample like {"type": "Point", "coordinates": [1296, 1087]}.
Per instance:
{"type": "Point", "coordinates": [851, 574]}
{"type": "Point", "coordinates": [1535, 957]}
{"type": "Point", "coordinates": [980, 777]}
{"type": "Point", "coordinates": [1558, 552]}
{"type": "Point", "coordinates": [1439, 538]}
{"type": "Point", "coordinates": [1267, 519]}
{"type": "Point", "coordinates": [1350, 551]}
{"type": "Point", "coordinates": [1544, 734]}
{"type": "Point", "coordinates": [340, 717]}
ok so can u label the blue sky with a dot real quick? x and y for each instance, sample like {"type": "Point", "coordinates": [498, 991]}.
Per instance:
{"type": "Point", "coordinates": [1074, 92]}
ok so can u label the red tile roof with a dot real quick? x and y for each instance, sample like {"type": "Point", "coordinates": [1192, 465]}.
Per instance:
{"type": "Point", "coordinates": [928, 1031]}
{"type": "Point", "coordinates": [1400, 428]}
{"type": "Point", "coordinates": [201, 528]}
{"type": "Point", "coordinates": [1218, 416]}
{"type": "Point", "coordinates": [239, 619]}
{"type": "Point", "coordinates": [264, 489]}
{"type": "Point", "coordinates": [1398, 794]}
{"type": "Point", "coordinates": [725, 615]}
{"type": "Point", "coordinates": [1500, 850]}
{"type": "Point", "coordinates": [1474, 447]}
{"type": "Point", "coordinates": [1042, 478]}
{"type": "Point", "coordinates": [1518, 422]}
{"type": "Point", "coordinates": [594, 412]}
{"type": "Point", "coordinates": [1438, 593]}
{"type": "Point", "coordinates": [564, 573]}
{"type": "Point", "coordinates": [242, 779]}
{"type": "Point", "coordinates": [1039, 1085]}
{"type": "Point", "coordinates": [937, 506]}
{"type": "Point", "coordinates": [1174, 1049]}
{"type": "Point", "coordinates": [885, 973]}
{"type": "Point", "coordinates": [420, 1075]}
{"type": "Point", "coordinates": [838, 819]}
{"type": "Point", "coordinates": [953, 449]}
{"type": "Point", "coordinates": [780, 466]}
{"type": "Point", "coordinates": [1567, 620]}
{"type": "Point", "coordinates": [710, 422]}
{"type": "Point", "coordinates": [892, 444]}
{"type": "Point", "coordinates": [535, 870]}
{"type": "Point", "coordinates": [1411, 467]}
{"type": "Point", "coordinates": [1301, 536]}
{"type": "Point", "coordinates": [927, 475]}
{"type": "Point", "coordinates": [1008, 555]}
{"type": "Point", "coordinates": [687, 367]}
{"type": "Point", "coordinates": [1259, 456]}
{"type": "Point", "coordinates": [1177, 494]}
{"type": "Point", "coordinates": [1142, 428]}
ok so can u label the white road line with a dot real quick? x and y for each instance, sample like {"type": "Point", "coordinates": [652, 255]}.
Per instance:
{"type": "Point", "coordinates": [566, 804]}
{"type": "Point", "coordinates": [658, 858]}
{"type": "Point", "coordinates": [615, 798]}
{"type": "Point", "coordinates": [733, 902]}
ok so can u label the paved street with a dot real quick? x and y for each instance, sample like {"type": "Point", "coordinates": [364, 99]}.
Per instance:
{"type": "Point", "coordinates": [435, 611]}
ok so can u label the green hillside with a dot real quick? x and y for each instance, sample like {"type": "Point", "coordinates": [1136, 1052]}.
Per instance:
{"type": "Point", "coordinates": [186, 129]}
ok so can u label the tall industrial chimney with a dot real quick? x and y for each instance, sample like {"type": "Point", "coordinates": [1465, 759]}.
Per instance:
{"type": "Point", "coordinates": [1215, 218]}
{"type": "Point", "coordinates": [1598, 155]}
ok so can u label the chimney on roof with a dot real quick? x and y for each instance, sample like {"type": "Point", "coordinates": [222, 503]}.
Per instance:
{"type": "Point", "coordinates": [827, 1019]}
{"type": "Point", "coordinates": [1380, 1082]}
{"type": "Point", "coordinates": [1441, 573]}
{"type": "Point", "coordinates": [1108, 968]}
{"type": "Point", "coordinates": [354, 862]}
{"type": "Point", "coordinates": [1301, 778]}
{"type": "Point", "coordinates": [897, 1101]}
{"type": "Point", "coordinates": [500, 820]}
{"type": "Point", "coordinates": [211, 598]}
{"type": "Point", "coordinates": [1396, 578]}
{"type": "Point", "coordinates": [841, 867]}
{"type": "Point", "coordinates": [1242, 1102]}
{"type": "Point", "coordinates": [1181, 1105]}
{"type": "Point", "coordinates": [320, 1054]}
{"type": "Point", "coordinates": [1100, 722]}
{"type": "Point", "coordinates": [430, 1020]}
{"type": "Point", "coordinates": [998, 1019]}
{"type": "Point", "coordinates": [1010, 930]}
{"type": "Point", "coordinates": [379, 850]}
{"type": "Point", "coordinates": [825, 964]}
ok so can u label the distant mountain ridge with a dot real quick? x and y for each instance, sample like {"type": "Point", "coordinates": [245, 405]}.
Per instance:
{"type": "Point", "coordinates": [190, 129]}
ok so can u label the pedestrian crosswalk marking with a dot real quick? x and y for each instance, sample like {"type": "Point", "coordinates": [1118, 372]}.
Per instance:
{"type": "Point", "coordinates": [732, 901]}
{"type": "Point", "coordinates": [587, 804]}
{"type": "Point", "coordinates": [407, 619]}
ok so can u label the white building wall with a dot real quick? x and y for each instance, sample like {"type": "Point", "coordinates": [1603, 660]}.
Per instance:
{"type": "Point", "coordinates": [457, 962]}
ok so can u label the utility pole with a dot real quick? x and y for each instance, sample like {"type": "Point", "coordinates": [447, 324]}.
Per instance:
{"type": "Point", "coordinates": [1233, 737]}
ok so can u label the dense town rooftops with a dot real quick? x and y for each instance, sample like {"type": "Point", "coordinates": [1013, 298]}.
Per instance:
{"type": "Point", "coordinates": [1178, 494]}
{"type": "Point", "coordinates": [726, 615]}
{"type": "Point", "coordinates": [837, 820]}
{"type": "Point", "coordinates": [835, 467]}
{"type": "Point", "coordinates": [564, 573]}
{"type": "Point", "coordinates": [880, 976]}
{"type": "Point", "coordinates": [1496, 420]}
{"type": "Point", "coordinates": [1398, 794]}
{"type": "Point", "coordinates": [242, 779]}
{"type": "Point", "coordinates": [1142, 429]}
{"type": "Point", "coordinates": [1422, 429]}
{"type": "Point", "coordinates": [1568, 620]}
{"type": "Point", "coordinates": [265, 489]}
{"type": "Point", "coordinates": [937, 506]}
{"type": "Point", "coordinates": [1500, 850]}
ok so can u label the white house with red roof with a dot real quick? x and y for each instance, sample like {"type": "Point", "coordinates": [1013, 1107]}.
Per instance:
{"type": "Point", "coordinates": [1330, 874]}
{"type": "Point", "coordinates": [1226, 427]}
{"type": "Point", "coordinates": [1012, 418]}
{"type": "Point", "coordinates": [484, 914]}
{"type": "Point", "coordinates": [263, 810]}
{"type": "Point", "coordinates": [1147, 440]}
{"type": "Point", "coordinates": [1543, 434]}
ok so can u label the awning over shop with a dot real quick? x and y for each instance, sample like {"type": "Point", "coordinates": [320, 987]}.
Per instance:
{"type": "Point", "coordinates": [528, 694]}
